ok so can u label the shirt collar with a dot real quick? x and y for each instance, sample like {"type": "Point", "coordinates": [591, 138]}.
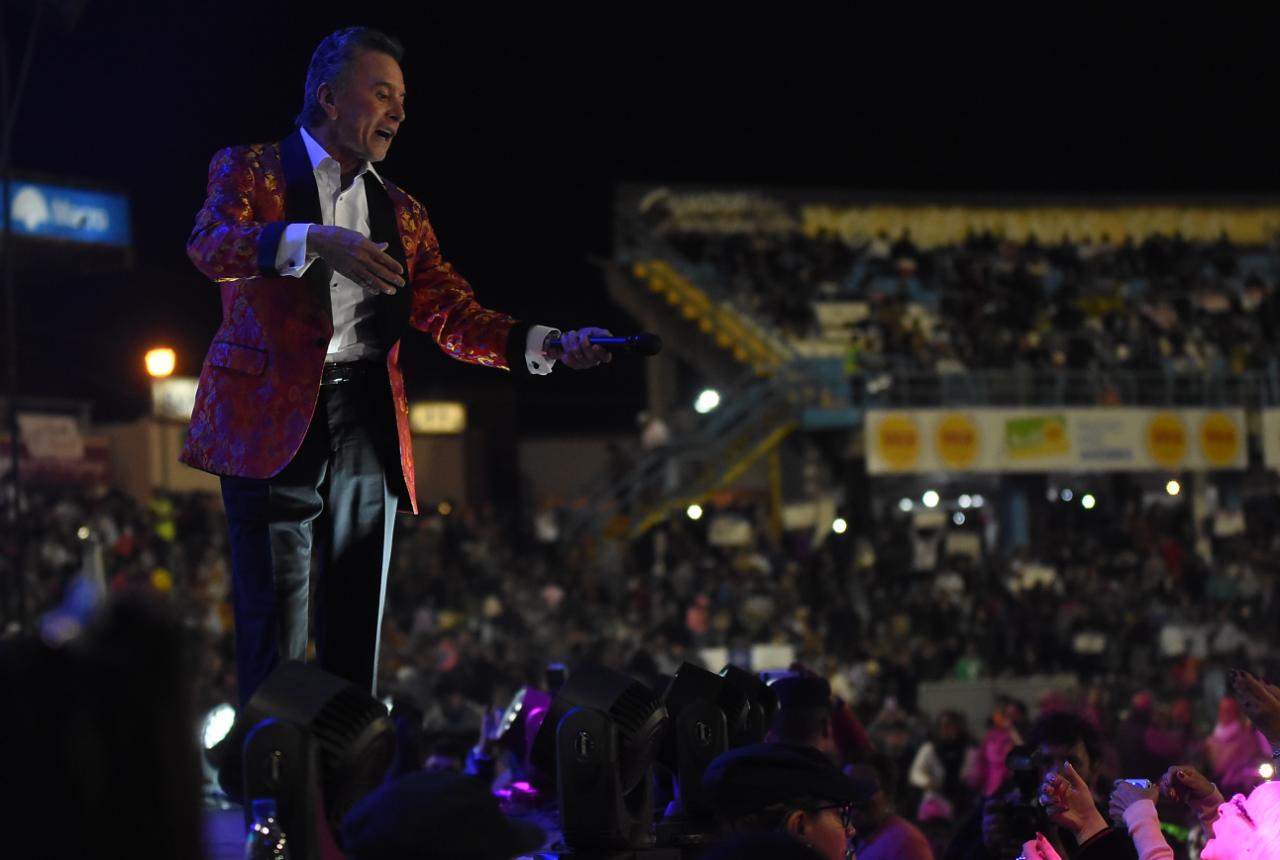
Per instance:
{"type": "Point", "coordinates": [319, 155]}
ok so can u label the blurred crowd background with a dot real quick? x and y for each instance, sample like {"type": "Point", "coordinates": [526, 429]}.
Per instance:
{"type": "Point", "coordinates": [1128, 617]}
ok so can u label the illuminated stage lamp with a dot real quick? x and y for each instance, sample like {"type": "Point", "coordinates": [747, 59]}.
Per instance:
{"type": "Point", "coordinates": [521, 721]}
{"type": "Point", "coordinates": [217, 725]}
{"type": "Point", "coordinates": [762, 706]}
{"type": "Point", "coordinates": [315, 743]}
{"type": "Point", "coordinates": [600, 738]}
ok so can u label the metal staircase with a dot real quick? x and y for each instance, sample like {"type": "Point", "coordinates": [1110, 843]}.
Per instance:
{"type": "Point", "coordinates": [755, 415]}
{"type": "Point", "coordinates": [767, 391]}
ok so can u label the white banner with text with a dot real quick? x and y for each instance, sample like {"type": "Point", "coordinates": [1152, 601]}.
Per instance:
{"type": "Point", "coordinates": [1110, 439]}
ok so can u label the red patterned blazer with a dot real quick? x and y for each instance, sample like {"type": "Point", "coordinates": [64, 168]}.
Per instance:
{"type": "Point", "coordinates": [261, 378]}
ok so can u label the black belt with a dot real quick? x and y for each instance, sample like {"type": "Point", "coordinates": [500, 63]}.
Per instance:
{"type": "Point", "coordinates": [338, 372]}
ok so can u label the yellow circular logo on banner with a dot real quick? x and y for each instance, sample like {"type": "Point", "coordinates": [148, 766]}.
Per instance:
{"type": "Point", "coordinates": [1167, 439]}
{"type": "Point", "coordinates": [898, 441]}
{"type": "Point", "coordinates": [957, 440]}
{"type": "Point", "coordinates": [1219, 439]}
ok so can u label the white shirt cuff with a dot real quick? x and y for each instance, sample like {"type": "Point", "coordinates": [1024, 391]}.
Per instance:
{"type": "Point", "coordinates": [292, 258]}
{"type": "Point", "coordinates": [534, 358]}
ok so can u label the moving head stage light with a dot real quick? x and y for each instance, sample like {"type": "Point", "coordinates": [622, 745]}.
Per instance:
{"type": "Point", "coordinates": [697, 702]}
{"type": "Point", "coordinates": [761, 708]}
{"type": "Point", "coordinates": [600, 737]}
{"type": "Point", "coordinates": [315, 743]}
{"type": "Point", "coordinates": [521, 720]}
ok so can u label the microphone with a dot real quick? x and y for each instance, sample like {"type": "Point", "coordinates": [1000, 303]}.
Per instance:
{"type": "Point", "coordinates": [645, 343]}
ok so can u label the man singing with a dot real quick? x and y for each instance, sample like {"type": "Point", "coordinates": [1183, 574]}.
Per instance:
{"type": "Point", "coordinates": [323, 264]}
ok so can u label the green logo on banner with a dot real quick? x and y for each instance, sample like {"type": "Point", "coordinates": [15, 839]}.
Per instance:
{"type": "Point", "coordinates": [1036, 436]}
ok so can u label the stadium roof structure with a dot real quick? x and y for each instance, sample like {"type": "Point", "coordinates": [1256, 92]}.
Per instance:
{"type": "Point", "coordinates": [947, 219]}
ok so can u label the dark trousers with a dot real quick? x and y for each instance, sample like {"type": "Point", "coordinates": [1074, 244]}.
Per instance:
{"type": "Point", "coordinates": [330, 513]}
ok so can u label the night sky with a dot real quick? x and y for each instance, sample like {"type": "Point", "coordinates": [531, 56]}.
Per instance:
{"type": "Point", "coordinates": [522, 117]}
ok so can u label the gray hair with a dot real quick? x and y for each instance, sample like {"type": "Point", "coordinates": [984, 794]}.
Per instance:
{"type": "Point", "coordinates": [331, 64]}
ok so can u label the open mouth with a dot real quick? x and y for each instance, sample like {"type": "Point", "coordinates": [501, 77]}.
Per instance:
{"type": "Point", "coordinates": [385, 134]}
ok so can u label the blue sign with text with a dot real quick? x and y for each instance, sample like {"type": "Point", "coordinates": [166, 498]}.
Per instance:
{"type": "Point", "coordinates": [64, 214]}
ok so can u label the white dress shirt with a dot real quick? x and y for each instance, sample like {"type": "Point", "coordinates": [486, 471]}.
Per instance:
{"type": "Point", "coordinates": [351, 303]}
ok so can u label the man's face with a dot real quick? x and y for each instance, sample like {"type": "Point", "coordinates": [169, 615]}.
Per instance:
{"type": "Point", "coordinates": [367, 111]}
{"type": "Point", "coordinates": [828, 835]}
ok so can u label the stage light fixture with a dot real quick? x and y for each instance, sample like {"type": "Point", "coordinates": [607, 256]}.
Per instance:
{"type": "Point", "coordinates": [1088, 501]}
{"type": "Point", "coordinates": [762, 706]}
{"type": "Point", "coordinates": [600, 737]}
{"type": "Point", "coordinates": [696, 701]}
{"type": "Point", "coordinates": [930, 498]}
{"type": "Point", "coordinates": [315, 743]}
{"type": "Point", "coordinates": [217, 723]}
{"type": "Point", "coordinates": [521, 721]}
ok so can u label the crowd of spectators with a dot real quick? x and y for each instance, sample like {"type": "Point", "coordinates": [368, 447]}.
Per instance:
{"type": "Point", "coordinates": [479, 605]}
{"type": "Point", "coordinates": [1162, 304]}
{"type": "Point", "coordinates": [1149, 614]}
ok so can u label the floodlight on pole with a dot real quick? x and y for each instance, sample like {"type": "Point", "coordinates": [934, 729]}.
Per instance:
{"type": "Point", "coordinates": [161, 362]}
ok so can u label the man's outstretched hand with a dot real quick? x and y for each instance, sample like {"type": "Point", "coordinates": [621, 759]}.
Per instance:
{"type": "Point", "coordinates": [576, 350]}
{"type": "Point", "coordinates": [353, 255]}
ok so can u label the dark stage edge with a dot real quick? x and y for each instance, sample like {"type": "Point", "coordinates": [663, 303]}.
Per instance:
{"type": "Point", "coordinates": [224, 833]}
